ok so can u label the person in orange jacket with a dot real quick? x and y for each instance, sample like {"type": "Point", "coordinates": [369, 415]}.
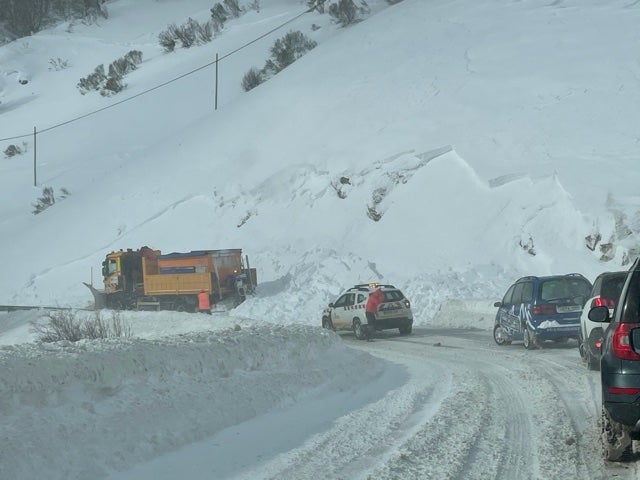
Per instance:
{"type": "Point", "coordinates": [204, 304]}
{"type": "Point", "coordinates": [371, 308]}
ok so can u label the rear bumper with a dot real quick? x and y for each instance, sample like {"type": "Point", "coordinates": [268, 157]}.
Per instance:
{"type": "Point", "coordinates": [622, 408]}
{"type": "Point", "coordinates": [389, 323]}
{"type": "Point", "coordinates": [625, 413]}
{"type": "Point", "coordinates": [563, 331]}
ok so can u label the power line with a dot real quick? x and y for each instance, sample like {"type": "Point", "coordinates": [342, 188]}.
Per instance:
{"type": "Point", "coordinates": [180, 77]}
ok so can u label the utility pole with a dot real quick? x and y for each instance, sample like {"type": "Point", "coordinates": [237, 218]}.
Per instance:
{"type": "Point", "coordinates": [35, 179]}
{"type": "Point", "coordinates": [216, 99]}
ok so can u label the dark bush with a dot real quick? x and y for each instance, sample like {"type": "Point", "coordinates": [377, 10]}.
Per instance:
{"type": "Point", "coordinates": [317, 5]}
{"type": "Point", "coordinates": [204, 32]}
{"type": "Point", "coordinates": [344, 12]}
{"type": "Point", "coordinates": [233, 8]}
{"type": "Point", "coordinates": [186, 33]}
{"type": "Point", "coordinates": [252, 79]}
{"type": "Point", "coordinates": [219, 14]}
{"type": "Point", "coordinates": [112, 86]}
{"type": "Point", "coordinates": [287, 50]}
{"type": "Point", "coordinates": [134, 58]}
{"type": "Point", "coordinates": [120, 67]}
{"type": "Point", "coordinates": [167, 41]}
{"type": "Point", "coordinates": [26, 17]}
{"type": "Point", "coordinates": [93, 81]}
{"type": "Point", "coordinates": [12, 151]}
{"type": "Point", "coordinates": [45, 201]}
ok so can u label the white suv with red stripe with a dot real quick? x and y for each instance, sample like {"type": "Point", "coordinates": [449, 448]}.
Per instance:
{"type": "Point", "coordinates": [348, 311]}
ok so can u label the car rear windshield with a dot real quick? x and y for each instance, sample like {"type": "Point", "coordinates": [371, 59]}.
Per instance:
{"type": "Point", "coordinates": [611, 288]}
{"type": "Point", "coordinates": [393, 295]}
{"type": "Point", "coordinates": [575, 289]}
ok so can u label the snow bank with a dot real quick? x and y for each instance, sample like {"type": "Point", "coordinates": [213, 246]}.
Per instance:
{"type": "Point", "coordinates": [84, 409]}
{"type": "Point", "coordinates": [465, 314]}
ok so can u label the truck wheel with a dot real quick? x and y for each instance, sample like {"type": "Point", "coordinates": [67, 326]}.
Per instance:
{"type": "Point", "coordinates": [359, 330]}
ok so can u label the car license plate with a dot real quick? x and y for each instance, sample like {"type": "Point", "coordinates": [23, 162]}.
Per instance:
{"type": "Point", "coordinates": [568, 308]}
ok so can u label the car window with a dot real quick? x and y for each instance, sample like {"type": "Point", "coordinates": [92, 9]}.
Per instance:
{"type": "Point", "coordinates": [553, 289]}
{"type": "Point", "coordinates": [631, 305]}
{"type": "Point", "coordinates": [578, 287]}
{"type": "Point", "coordinates": [344, 300]}
{"type": "Point", "coordinates": [527, 292]}
{"type": "Point", "coordinates": [611, 288]}
{"type": "Point", "coordinates": [393, 296]}
{"type": "Point", "coordinates": [507, 296]}
{"type": "Point", "coordinates": [361, 298]}
{"type": "Point", "coordinates": [595, 290]}
{"type": "Point", "coordinates": [517, 294]}
{"type": "Point", "coordinates": [565, 288]}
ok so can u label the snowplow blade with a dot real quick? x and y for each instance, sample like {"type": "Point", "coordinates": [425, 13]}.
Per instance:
{"type": "Point", "coordinates": [99, 297]}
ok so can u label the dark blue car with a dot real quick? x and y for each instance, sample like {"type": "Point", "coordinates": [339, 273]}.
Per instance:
{"type": "Point", "coordinates": [536, 309]}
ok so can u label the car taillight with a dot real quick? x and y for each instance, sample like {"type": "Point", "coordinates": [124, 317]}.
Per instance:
{"type": "Point", "coordinates": [602, 302]}
{"type": "Point", "coordinates": [620, 344]}
{"type": "Point", "coordinates": [624, 390]}
{"type": "Point", "coordinates": [407, 303]}
{"type": "Point", "coordinates": [544, 309]}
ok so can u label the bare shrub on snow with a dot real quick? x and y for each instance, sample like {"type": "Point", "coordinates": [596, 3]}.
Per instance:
{"type": "Point", "coordinates": [233, 8]}
{"type": "Point", "coordinates": [252, 79]}
{"type": "Point", "coordinates": [68, 325]}
{"type": "Point", "coordinates": [287, 50]}
{"type": "Point", "coordinates": [346, 12]}
{"type": "Point", "coordinates": [188, 34]}
{"type": "Point", "coordinates": [13, 150]}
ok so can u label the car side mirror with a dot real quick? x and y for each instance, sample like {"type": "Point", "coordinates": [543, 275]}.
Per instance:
{"type": "Point", "coordinates": [497, 304]}
{"type": "Point", "coordinates": [599, 314]}
{"type": "Point", "coordinates": [331, 305]}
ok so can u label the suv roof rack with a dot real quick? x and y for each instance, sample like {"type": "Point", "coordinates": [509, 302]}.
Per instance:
{"type": "Point", "coordinates": [529, 277]}
{"type": "Point", "coordinates": [367, 286]}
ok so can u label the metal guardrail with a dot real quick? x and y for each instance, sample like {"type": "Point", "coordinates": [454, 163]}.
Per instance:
{"type": "Point", "coordinates": [14, 308]}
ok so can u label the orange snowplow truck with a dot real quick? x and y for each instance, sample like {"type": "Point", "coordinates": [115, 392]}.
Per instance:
{"type": "Point", "coordinates": [144, 278]}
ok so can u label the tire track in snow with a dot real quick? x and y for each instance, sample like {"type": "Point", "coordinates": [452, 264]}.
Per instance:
{"type": "Point", "coordinates": [583, 413]}
{"type": "Point", "coordinates": [460, 441]}
{"type": "Point", "coordinates": [358, 441]}
{"type": "Point", "coordinates": [526, 421]}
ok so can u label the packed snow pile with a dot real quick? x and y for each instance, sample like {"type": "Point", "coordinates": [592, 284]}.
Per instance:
{"type": "Point", "coordinates": [83, 409]}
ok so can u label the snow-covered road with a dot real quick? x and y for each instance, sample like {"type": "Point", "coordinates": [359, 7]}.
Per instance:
{"type": "Point", "coordinates": [220, 401]}
{"type": "Point", "coordinates": [470, 410]}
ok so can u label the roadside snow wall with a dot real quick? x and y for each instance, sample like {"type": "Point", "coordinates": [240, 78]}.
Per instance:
{"type": "Point", "coordinates": [80, 410]}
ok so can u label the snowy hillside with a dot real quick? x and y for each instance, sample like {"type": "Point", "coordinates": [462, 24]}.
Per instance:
{"type": "Point", "coordinates": [478, 134]}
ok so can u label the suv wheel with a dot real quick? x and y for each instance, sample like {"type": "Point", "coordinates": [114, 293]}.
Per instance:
{"type": "Point", "coordinates": [500, 336]}
{"type": "Point", "coordinates": [406, 330]}
{"type": "Point", "coordinates": [593, 363]}
{"type": "Point", "coordinates": [616, 441]}
{"type": "Point", "coordinates": [359, 330]}
{"type": "Point", "coordinates": [529, 339]}
{"type": "Point", "coordinates": [327, 323]}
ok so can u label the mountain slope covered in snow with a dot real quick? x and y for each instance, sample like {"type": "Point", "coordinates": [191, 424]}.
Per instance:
{"type": "Point", "coordinates": [446, 148]}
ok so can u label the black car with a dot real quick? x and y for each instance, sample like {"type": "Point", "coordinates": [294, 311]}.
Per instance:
{"type": "Point", "coordinates": [620, 369]}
